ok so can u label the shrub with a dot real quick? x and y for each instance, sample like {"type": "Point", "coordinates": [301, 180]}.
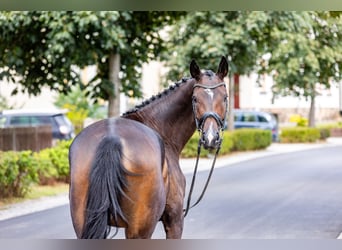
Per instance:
{"type": "Point", "coordinates": [324, 133]}
{"type": "Point", "coordinates": [191, 148]}
{"type": "Point", "coordinates": [237, 140]}
{"type": "Point", "coordinates": [59, 159]}
{"type": "Point", "coordinates": [251, 139]}
{"type": "Point", "coordinates": [299, 120]}
{"type": "Point", "coordinates": [299, 134]}
{"type": "Point", "coordinates": [18, 171]}
{"type": "Point", "coordinates": [46, 171]}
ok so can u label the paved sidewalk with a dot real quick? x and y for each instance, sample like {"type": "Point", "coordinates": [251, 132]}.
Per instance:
{"type": "Point", "coordinates": [187, 167]}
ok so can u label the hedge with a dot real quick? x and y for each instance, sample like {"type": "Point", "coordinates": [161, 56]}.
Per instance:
{"type": "Point", "coordinates": [237, 140]}
{"type": "Point", "coordinates": [301, 135]}
{"type": "Point", "coordinates": [20, 170]}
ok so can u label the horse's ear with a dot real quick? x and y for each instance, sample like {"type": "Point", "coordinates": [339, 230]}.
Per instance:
{"type": "Point", "coordinates": [223, 68]}
{"type": "Point", "coordinates": [195, 71]}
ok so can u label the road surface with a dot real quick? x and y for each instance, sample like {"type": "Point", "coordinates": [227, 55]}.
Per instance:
{"type": "Point", "coordinates": [286, 196]}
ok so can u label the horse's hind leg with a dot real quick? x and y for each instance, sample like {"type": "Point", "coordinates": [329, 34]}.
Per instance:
{"type": "Point", "coordinates": [173, 222]}
{"type": "Point", "coordinates": [139, 233]}
{"type": "Point", "coordinates": [142, 223]}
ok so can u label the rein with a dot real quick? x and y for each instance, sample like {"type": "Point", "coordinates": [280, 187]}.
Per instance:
{"type": "Point", "coordinates": [199, 125]}
{"type": "Point", "coordinates": [188, 206]}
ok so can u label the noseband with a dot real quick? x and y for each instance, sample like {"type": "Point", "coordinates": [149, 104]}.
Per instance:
{"type": "Point", "coordinates": [200, 121]}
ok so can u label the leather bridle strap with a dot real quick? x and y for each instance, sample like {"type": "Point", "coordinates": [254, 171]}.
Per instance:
{"type": "Point", "coordinates": [199, 122]}
{"type": "Point", "coordinates": [188, 205]}
{"type": "Point", "coordinates": [198, 85]}
{"type": "Point", "coordinates": [199, 127]}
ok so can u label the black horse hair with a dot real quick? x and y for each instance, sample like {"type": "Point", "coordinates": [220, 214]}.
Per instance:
{"type": "Point", "coordinates": [106, 189]}
{"type": "Point", "coordinates": [156, 97]}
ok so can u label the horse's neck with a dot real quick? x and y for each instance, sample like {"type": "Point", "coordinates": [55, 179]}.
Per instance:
{"type": "Point", "coordinates": [171, 116]}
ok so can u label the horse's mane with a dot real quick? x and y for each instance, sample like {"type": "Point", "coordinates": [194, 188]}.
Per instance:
{"type": "Point", "coordinates": [165, 92]}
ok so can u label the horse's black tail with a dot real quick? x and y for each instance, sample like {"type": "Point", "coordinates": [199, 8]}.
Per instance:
{"type": "Point", "coordinates": [106, 188]}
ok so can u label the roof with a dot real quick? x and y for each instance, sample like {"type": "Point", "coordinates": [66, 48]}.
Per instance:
{"type": "Point", "coordinates": [33, 111]}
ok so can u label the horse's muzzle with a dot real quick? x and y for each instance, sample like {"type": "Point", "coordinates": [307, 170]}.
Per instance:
{"type": "Point", "coordinates": [211, 140]}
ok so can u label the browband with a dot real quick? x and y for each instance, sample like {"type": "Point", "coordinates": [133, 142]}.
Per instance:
{"type": "Point", "coordinates": [209, 87]}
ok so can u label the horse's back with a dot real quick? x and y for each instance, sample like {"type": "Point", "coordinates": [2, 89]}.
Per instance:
{"type": "Point", "coordinates": [142, 156]}
{"type": "Point", "coordinates": [138, 141]}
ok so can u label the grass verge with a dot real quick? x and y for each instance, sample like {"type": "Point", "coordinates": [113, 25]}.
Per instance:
{"type": "Point", "coordinates": [37, 192]}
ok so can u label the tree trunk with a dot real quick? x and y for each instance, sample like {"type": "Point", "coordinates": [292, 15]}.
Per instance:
{"type": "Point", "coordinates": [231, 102]}
{"type": "Point", "coordinates": [312, 111]}
{"type": "Point", "coordinates": [114, 99]}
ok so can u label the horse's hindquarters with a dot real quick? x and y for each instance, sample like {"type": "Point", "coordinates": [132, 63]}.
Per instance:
{"type": "Point", "coordinates": [124, 176]}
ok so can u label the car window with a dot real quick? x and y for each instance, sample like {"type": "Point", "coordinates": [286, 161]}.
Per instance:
{"type": "Point", "coordinates": [236, 117]}
{"type": "Point", "coordinates": [42, 120]}
{"type": "Point", "coordinates": [30, 120]}
{"type": "Point", "coordinates": [248, 117]}
{"type": "Point", "coordinates": [20, 121]}
{"type": "Point", "coordinates": [262, 118]}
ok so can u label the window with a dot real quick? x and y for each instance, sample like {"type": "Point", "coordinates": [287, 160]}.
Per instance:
{"type": "Point", "coordinates": [262, 118]}
{"type": "Point", "coordinates": [248, 117]}
{"type": "Point", "coordinates": [20, 121]}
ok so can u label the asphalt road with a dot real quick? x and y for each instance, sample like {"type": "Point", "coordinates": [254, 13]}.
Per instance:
{"type": "Point", "coordinates": [287, 196]}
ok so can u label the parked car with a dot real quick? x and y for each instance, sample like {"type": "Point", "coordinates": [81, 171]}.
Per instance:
{"type": "Point", "coordinates": [256, 119]}
{"type": "Point", "coordinates": [61, 126]}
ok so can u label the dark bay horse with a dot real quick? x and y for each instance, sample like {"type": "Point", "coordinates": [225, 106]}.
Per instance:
{"type": "Point", "coordinates": [125, 171]}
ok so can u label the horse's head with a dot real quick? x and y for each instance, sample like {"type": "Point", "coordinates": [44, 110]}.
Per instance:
{"type": "Point", "coordinates": [209, 102]}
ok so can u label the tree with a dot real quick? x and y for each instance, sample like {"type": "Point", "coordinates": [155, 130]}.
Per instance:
{"type": "Point", "coordinates": [307, 55]}
{"type": "Point", "coordinates": [304, 47]}
{"type": "Point", "coordinates": [206, 36]}
{"type": "Point", "coordinates": [240, 35]}
{"type": "Point", "coordinates": [43, 48]}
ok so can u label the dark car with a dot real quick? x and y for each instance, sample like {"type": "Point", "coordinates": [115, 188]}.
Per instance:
{"type": "Point", "coordinates": [256, 119]}
{"type": "Point", "coordinates": [62, 128]}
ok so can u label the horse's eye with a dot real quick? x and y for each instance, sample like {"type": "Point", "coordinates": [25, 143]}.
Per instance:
{"type": "Point", "coordinates": [194, 99]}
{"type": "Point", "coordinates": [226, 98]}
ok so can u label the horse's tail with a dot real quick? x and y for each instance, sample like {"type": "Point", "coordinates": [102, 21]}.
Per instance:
{"type": "Point", "coordinates": [106, 188]}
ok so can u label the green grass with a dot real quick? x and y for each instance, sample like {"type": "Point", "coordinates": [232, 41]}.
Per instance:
{"type": "Point", "coordinates": [37, 192]}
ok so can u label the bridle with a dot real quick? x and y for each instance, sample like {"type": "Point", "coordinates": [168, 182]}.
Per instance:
{"type": "Point", "coordinates": [200, 121]}
{"type": "Point", "coordinates": [199, 125]}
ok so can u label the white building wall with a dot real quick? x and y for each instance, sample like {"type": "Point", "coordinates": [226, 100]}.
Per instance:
{"type": "Point", "coordinates": [257, 96]}
{"type": "Point", "coordinates": [23, 100]}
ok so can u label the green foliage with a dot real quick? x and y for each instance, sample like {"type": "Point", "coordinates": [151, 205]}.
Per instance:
{"type": "Point", "coordinates": [79, 107]}
{"type": "Point", "coordinates": [76, 115]}
{"type": "Point", "coordinates": [46, 172]}
{"type": "Point", "coordinates": [4, 103]}
{"type": "Point", "coordinates": [331, 125]}
{"type": "Point", "coordinates": [59, 159]}
{"type": "Point", "coordinates": [299, 120]}
{"type": "Point", "coordinates": [251, 139]}
{"type": "Point", "coordinates": [324, 133]}
{"type": "Point", "coordinates": [41, 48]}
{"type": "Point", "coordinates": [206, 36]}
{"type": "Point", "coordinates": [299, 135]}
{"type": "Point", "coordinates": [305, 54]}
{"type": "Point", "coordinates": [18, 171]}
{"type": "Point", "coordinates": [238, 140]}
{"type": "Point", "coordinates": [191, 148]}
{"type": "Point", "coordinates": [78, 102]}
